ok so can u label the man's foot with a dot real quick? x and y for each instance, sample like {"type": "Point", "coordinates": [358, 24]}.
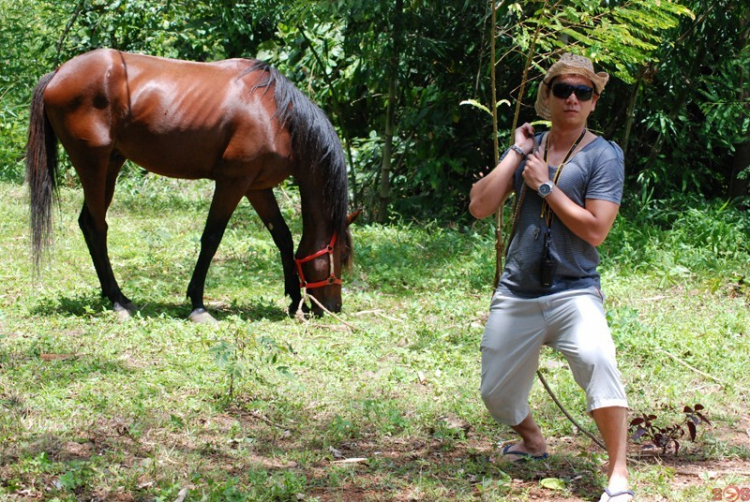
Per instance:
{"type": "Point", "coordinates": [519, 455]}
{"type": "Point", "coordinates": [617, 496]}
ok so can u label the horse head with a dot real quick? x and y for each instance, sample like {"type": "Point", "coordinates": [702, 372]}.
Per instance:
{"type": "Point", "coordinates": [320, 270]}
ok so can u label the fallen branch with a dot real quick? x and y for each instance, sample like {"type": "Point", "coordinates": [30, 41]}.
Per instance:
{"type": "Point", "coordinates": [256, 414]}
{"type": "Point", "coordinates": [357, 460]}
{"type": "Point", "coordinates": [363, 312]}
{"type": "Point", "coordinates": [378, 312]}
{"type": "Point", "coordinates": [710, 377]}
{"type": "Point", "coordinates": [330, 327]}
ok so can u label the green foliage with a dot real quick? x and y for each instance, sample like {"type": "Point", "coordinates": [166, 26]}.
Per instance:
{"type": "Point", "coordinates": [694, 104]}
{"type": "Point", "coordinates": [23, 48]}
{"type": "Point", "coordinates": [679, 237]}
{"type": "Point", "coordinates": [667, 436]}
{"type": "Point", "coordinates": [77, 477]}
{"type": "Point", "coordinates": [682, 64]}
{"type": "Point", "coordinates": [343, 52]}
{"type": "Point", "coordinates": [623, 38]}
{"type": "Point", "coordinates": [726, 102]}
{"type": "Point", "coordinates": [188, 29]}
{"type": "Point", "coordinates": [245, 355]}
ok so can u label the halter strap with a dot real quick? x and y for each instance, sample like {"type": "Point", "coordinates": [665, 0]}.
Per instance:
{"type": "Point", "coordinates": [332, 279]}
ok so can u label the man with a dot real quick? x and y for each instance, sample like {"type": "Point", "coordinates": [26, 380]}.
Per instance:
{"type": "Point", "coordinates": [569, 190]}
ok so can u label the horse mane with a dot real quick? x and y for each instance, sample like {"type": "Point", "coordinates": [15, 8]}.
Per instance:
{"type": "Point", "coordinates": [315, 144]}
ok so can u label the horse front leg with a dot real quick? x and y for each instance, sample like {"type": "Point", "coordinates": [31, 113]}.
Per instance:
{"type": "Point", "coordinates": [227, 195]}
{"type": "Point", "coordinates": [265, 205]}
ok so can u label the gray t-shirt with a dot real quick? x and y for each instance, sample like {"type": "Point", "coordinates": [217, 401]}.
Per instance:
{"type": "Point", "coordinates": [596, 172]}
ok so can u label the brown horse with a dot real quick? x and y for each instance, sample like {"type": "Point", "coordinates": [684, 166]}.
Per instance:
{"type": "Point", "coordinates": [238, 122]}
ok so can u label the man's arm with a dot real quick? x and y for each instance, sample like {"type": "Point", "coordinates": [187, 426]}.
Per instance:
{"type": "Point", "coordinates": [489, 193]}
{"type": "Point", "coordinates": [592, 222]}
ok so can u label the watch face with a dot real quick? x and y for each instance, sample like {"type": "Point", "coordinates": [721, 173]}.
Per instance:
{"type": "Point", "coordinates": [544, 189]}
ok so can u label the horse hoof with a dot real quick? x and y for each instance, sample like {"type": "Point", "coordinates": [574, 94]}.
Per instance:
{"type": "Point", "coordinates": [201, 316]}
{"type": "Point", "coordinates": [123, 313]}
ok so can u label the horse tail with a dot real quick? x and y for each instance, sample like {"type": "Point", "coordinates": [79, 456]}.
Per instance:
{"type": "Point", "coordinates": [41, 171]}
{"type": "Point", "coordinates": [315, 144]}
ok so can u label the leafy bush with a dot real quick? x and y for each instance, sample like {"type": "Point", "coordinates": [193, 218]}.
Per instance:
{"type": "Point", "coordinates": [664, 437]}
{"type": "Point", "coordinates": [679, 236]}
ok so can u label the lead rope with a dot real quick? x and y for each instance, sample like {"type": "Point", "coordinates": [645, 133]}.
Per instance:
{"type": "Point", "coordinates": [300, 316]}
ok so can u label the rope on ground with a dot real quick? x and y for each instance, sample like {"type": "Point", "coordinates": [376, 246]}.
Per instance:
{"type": "Point", "coordinates": [311, 297]}
{"type": "Point", "coordinates": [562, 408]}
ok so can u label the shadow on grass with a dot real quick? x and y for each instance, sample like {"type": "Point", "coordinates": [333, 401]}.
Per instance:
{"type": "Point", "coordinates": [416, 261]}
{"type": "Point", "coordinates": [394, 469]}
{"type": "Point", "coordinates": [97, 306]}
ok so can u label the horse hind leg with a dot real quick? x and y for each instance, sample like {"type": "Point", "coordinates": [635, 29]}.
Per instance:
{"type": "Point", "coordinates": [265, 205]}
{"type": "Point", "coordinates": [98, 188]}
{"type": "Point", "coordinates": [227, 195]}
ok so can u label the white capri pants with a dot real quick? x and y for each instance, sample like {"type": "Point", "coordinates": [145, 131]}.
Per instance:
{"type": "Point", "coordinates": [572, 322]}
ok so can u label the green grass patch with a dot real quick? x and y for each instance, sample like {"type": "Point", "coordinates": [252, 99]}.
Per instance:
{"type": "Point", "coordinates": [265, 407]}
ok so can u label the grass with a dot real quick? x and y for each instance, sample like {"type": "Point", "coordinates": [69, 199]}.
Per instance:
{"type": "Point", "coordinates": [265, 407]}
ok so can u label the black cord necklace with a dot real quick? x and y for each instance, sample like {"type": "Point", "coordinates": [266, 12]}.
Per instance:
{"type": "Point", "coordinates": [546, 148]}
{"type": "Point", "coordinates": [546, 213]}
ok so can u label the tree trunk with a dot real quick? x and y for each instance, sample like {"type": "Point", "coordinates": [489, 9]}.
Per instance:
{"type": "Point", "coordinates": [499, 240]}
{"type": "Point", "coordinates": [385, 167]}
{"type": "Point", "coordinates": [739, 187]}
{"type": "Point", "coordinates": [631, 113]}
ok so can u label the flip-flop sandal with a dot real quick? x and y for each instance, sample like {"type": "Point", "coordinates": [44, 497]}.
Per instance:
{"type": "Point", "coordinates": [612, 496]}
{"type": "Point", "coordinates": [522, 455]}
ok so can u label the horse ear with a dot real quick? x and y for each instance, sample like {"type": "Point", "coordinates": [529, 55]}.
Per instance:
{"type": "Point", "coordinates": [353, 216]}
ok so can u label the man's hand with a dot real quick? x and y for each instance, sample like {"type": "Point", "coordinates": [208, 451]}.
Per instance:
{"type": "Point", "coordinates": [535, 171]}
{"type": "Point", "coordinates": [524, 138]}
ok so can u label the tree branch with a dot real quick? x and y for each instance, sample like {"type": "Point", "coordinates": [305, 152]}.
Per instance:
{"type": "Point", "coordinates": [68, 27]}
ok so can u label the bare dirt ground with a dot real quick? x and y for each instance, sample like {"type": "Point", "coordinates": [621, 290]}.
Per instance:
{"type": "Point", "coordinates": [458, 470]}
{"type": "Point", "coordinates": [692, 477]}
{"type": "Point", "coordinates": [703, 476]}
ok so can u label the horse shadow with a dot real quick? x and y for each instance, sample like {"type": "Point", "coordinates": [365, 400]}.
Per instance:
{"type": "Point", "coordinates": [95, 305]}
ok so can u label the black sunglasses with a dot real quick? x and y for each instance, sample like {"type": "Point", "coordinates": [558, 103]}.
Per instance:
{"type": "Point", "coordinates": [563, 91]}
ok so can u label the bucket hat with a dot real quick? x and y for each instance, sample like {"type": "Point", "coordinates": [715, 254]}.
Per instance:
{"type": "Point", "coordinates": [569, 64]}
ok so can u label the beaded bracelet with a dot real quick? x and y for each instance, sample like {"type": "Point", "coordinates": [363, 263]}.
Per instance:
{"type": "Point", "coordinates": [518, 150]}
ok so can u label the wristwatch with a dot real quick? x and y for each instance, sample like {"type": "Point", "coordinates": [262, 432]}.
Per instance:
{"type": "Point", "coordinates": [545, 189]}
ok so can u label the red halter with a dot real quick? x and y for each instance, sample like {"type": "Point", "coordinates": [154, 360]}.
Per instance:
{"type": "Point", "coordinates": [332, 279]}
